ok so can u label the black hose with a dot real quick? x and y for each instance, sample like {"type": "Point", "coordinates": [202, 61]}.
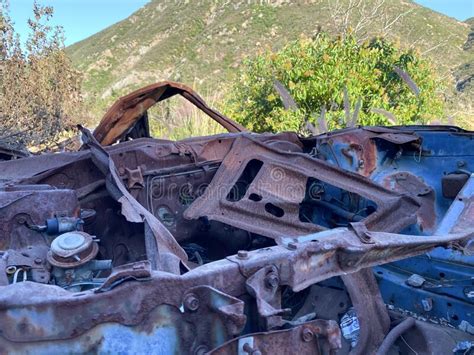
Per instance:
{"type": "Point", "coordinates": [350, 216]}
{"type": "Point", "coordinates": [394, 334]}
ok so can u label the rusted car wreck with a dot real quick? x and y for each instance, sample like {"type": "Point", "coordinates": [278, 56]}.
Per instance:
{"type": "Point", "coordinates": [239, 243]}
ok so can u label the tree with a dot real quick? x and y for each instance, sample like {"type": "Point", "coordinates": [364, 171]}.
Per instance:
{"type": "Point", "coordinates": [334, 77]}
{"type": "Point", "coordinates": [40, 91]}
{"type": "Point", "coordinates": [359, 18]}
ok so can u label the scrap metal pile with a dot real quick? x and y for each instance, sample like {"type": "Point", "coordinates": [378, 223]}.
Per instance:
{"type": "Point", "coordinates": [355, 241]}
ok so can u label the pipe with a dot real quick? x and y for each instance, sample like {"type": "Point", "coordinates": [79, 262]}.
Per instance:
{"type": "Point", "coordinates": [394, 334]}
{"type": "Point", "coordinates": [339, 211]}
{"type": "Point", "coordinates": [97, 265]}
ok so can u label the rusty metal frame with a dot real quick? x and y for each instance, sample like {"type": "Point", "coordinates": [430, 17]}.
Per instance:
{"type": "Point", "coordinates": [281, 181]}
{"type": "Point", "coordinates": [127, 110]}
{"type": "Point", "coordinates": [168, 303]}
{"type": "Point", "coordinates": [310, 260]}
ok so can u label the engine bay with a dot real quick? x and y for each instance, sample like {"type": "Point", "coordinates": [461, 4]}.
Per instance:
{"type": "Point", "coordinates": [240, 243]}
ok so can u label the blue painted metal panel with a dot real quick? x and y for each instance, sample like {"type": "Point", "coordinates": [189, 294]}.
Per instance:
{"type": "Point", "coordinates": [448, 292]}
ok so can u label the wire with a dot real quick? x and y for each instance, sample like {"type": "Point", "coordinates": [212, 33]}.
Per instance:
{"type": "Point", "coordinates": [409, 347]}
{"type": "Point", "coordinates": [15, 275]}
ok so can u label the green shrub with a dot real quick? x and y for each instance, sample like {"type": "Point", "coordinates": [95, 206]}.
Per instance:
{"type": "Point", "coordinates": [317, 71]}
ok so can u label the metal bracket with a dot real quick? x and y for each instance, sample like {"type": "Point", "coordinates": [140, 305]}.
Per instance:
{"type": "Point", "coordinates": [246, 342]}
{"type": "Point", "coordinates": [134, 177]}
{"type": "Point", "coordinates": [360, 230]}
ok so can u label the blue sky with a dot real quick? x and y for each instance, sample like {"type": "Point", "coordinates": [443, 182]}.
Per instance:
{"type": "Point", "coordinates": [460, 9]}
{"type": "Point", "coordinates": [82, 18]}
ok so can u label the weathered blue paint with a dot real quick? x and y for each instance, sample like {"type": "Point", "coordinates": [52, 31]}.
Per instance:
{"type": "Point", "coordinates": [443, 150]}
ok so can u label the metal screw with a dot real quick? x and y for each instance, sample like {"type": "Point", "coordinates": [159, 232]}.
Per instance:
{"type": "Point", "coordinates": [242, 254]}
{"type": "Point", "coordinates": [427, 304]}
{"type": "Point", "coordinates": [38, 261]}
{"type": "Point", "coordinates": [191, 302]}
{"type": "Point", "coordinates": [307, 335]}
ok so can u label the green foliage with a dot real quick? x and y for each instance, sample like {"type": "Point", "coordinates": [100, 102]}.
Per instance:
{"type": "Point", "coordinates": [205, 43]}
{"type": "Point", "coordinates": [317, 71]}
{"type": "Point", "coordinates": [40, 91]}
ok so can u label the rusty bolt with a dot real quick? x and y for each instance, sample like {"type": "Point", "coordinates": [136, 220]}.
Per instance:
{"type": "Point", "coordinates": [292, 246]}
{"type": "Point", "coordinates": [307, 335]}
{"type": "Point", "coordinates": [242, 254]}
{"type": "Point", "coordinates": [249, 350]}
{"type": "Point", "coordinates": [191, 302]}
{"type": "Point", "coordinates": [272, 281]}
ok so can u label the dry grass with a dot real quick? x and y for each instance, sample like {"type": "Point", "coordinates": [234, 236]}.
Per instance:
{"type": "Point", "coordinates": [177, 118]}
{"type": "Point", "coordinates": [465, 120]}
{"type": "Point", "coordinates": [461, 111]}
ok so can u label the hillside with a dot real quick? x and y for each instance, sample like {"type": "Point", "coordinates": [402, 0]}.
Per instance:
{"type": "Point", "coordinates": [202, 43]}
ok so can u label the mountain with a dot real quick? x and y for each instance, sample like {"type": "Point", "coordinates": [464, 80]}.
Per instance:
{"type": "Point", "coordinates": [465, 73]}
{"type": "Point", "coordinates": [464, 81]}
{"type": "Point", "coordinates": [202, 43]}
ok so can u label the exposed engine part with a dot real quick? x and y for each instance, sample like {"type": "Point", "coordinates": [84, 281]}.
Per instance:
{"type": "Point", "coordinates": [82, 277]}
{"type": "Point", "coordinates": [22, 266]}
{"type": "Point", "coordinates": [280, 266]}
{"type": "Point", "coordinates": [72, 249]}
{"type": "Point", "coordinates": [57, 225]}
{"type": "Point", "coordinates": [350, 327]}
